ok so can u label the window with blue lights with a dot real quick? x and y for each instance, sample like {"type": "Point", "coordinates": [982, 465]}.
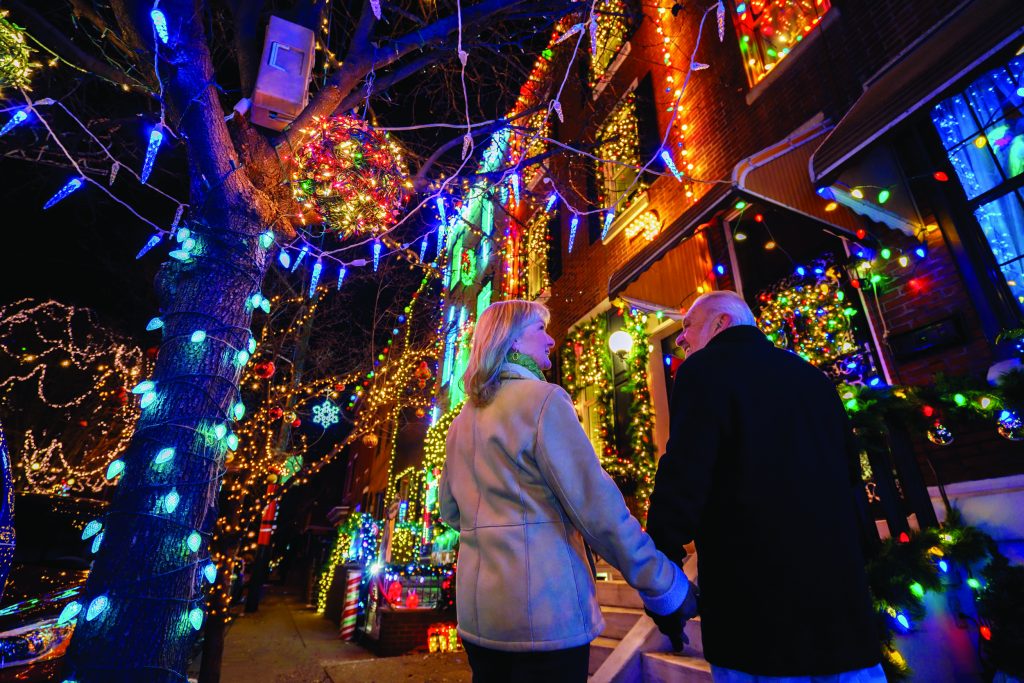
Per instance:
{"type": "Point", "coordinates": [982, 131]}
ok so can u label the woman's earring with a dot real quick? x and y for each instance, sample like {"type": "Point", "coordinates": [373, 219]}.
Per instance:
{"type": "Point", "coordinates": [514, 355]}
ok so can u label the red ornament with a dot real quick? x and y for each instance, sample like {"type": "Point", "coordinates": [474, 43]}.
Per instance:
{"type": "Point", "coordinates": [855, 283]}
{"type": "Point", "coordinates": [942, 177]}
{"type": "Point", "coordinates": [296, 422]}
{"type": "Point", "coordinates": [904, 537]}
{"type": "Point", "coordinates": [276, 412]}
{"type": "Point", "coordinates": [339, 387]}
{"type": "Point", "coordinates": [985, 632]}
{"type": "Point", "coordinates": [759, 217]}
{"type": "Point", "coordinates": [264, 369]}
{"type": "Point", "coordinates": [928, 411]}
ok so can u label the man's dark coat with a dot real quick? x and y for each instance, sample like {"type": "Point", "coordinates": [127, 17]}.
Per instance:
{"type": "Point", "coordinates": [759, 472]}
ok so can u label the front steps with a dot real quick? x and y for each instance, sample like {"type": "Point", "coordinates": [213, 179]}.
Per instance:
{"type": "Point", "coordinates": [631, 649]}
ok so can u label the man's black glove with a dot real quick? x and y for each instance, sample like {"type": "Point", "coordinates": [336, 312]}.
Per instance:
{"type": "Point", "coordinates": [673, 625]}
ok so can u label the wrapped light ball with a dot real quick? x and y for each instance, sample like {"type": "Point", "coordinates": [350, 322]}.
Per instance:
{"type": "Point", "coordinates": [351, 176]}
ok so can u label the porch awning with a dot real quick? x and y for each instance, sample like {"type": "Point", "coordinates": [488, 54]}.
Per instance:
{"type": "Point", "coordinates": [778, 175]}
{"type": "Point", "coordinates": [918, 76]}
{"type": "Point", "coordinates": [702, 212]}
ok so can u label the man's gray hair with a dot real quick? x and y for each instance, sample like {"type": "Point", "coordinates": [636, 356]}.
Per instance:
{"type": "Point", "coordinates": [728, 302]}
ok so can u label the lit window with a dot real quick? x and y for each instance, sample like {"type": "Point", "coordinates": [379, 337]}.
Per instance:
{"type": "Point", "coordinates": [982, 130]}
{"type": "Point", "coordinates": [612, 27]}
{"type": "Point", "coordinates": [770, 29]}
{"type": "Point", "coordinates": [619, 154]}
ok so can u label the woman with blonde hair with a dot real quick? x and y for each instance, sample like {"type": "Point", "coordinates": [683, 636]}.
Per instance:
{"type": "Point", "coordinates": [525, 489]}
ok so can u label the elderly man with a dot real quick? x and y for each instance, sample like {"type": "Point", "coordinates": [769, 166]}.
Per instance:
{"type": "Point", "coordinates": [759, 473]}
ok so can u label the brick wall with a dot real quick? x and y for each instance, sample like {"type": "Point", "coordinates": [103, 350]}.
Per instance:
{"type": "Point", "coordinates": [404, 630]}
{"type": "Point", "coordinates": [823, 75]}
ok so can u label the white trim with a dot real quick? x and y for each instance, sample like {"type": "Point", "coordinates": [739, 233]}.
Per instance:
{"type": "Point", "coordinates": [981, 487]}
{"type": "Point", "coordinates": [871, 325]}
{"type": "Point", "coordinates": [640, 204]}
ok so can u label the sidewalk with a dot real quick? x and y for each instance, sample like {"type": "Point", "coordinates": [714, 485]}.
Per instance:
{"type": "Point", "coordinates": [287, 642]}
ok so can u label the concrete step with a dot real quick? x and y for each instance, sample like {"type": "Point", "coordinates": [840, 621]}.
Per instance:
{"type": "Point", "coordinates": [600, 649]}
{"type": "Point", "coordinates": [618, 594]}
{"type": "Point", "coordinates": [605, 571]}
{"type": "Point", "coordinates": [618, 620]}
{"type": "Point", "coordinates": [665, 667]}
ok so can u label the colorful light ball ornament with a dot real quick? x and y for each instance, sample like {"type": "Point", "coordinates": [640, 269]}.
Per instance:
{"type": "Point", "coordinates": [351, 176]}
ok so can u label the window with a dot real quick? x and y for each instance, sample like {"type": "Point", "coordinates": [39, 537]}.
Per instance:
{"type": "Point", "coordinates": [554, 248]}
{"type": "Point", "coordinates": [770, 29]}
{"type": "Point", "coordinates": [613, 25]}
{"type": "Point", "coordinates": [982, 130]}
{"type": "Point", "coordinates": [537, 247]}
{"type": "Point", "coordinates": [618, 154]}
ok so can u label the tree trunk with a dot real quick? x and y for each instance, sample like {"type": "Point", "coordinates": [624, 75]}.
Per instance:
{"type": "Point", "coordinates": [153, 581]}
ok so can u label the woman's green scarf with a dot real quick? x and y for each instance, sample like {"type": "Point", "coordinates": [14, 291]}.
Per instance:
{"type": "Point", "coordinates": [525, 361]}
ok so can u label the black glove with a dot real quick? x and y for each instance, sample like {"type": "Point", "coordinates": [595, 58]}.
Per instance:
{"type": "Point", "coordinates": [673, 625]}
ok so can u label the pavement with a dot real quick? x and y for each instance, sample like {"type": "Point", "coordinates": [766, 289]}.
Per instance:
{"type": "Point", "coordinates": [288, 642]}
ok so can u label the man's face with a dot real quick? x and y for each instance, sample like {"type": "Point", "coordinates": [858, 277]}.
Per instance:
{"type": "Point", "coordinates": [699, 326]}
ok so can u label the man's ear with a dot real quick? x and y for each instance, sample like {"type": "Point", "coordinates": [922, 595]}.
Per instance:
{"type": "Point", "coordinates": [724, 321]}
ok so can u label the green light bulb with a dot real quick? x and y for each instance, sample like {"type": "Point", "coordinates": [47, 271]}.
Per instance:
{"type": "Point", "coordinates": [195, 617]}
{"type": "Point", "coordinates": [171, 501]}
{"type": "Point", "coordinates": [198, 337]}
{"type": "Point", "coordinates": [91, 529]}
{"type": "Point", "coordinates": [115, 468]}
{"type": "Point", "coordinates": [917, 589]}
{"type": "Point", "coordinates": [959, 399]}
{"type": "Point", "coordinates": [69, 612]}
{"type": "Point", "coordinates": [165, 455]}
{"type": "Point", "coordinates": [238, 410]}
{"type": "Point", "coordinates": [97, 607]}
{"type": "Point", "coordinates": [194, 541]}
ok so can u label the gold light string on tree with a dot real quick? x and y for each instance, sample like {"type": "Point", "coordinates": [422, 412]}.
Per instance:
{"type": "Point", "coordinates": [68, 382]}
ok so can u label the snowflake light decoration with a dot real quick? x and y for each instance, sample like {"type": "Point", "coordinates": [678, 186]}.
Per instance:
{"type": "Point", "coordinates": [325, 414]}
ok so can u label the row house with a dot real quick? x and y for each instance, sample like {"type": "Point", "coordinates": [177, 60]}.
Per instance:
{"type": "Point", "coordinates": [852, 168]}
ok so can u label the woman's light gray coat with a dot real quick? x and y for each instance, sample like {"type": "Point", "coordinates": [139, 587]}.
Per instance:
{"type": "Point", "coordinates": [521, 483]}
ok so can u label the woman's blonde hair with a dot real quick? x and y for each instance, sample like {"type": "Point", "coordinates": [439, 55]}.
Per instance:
{"type": "Point", "coordinates": [497, 328]}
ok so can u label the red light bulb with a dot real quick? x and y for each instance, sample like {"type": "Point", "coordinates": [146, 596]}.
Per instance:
{"type": "Point", "coordinates": [941, 176]}
{"type": "Point", "coordinates": [985, 632]}
{"type": "Point", "coordinates": [904, 537]}
{"type": "Point", "coordinates": [928, 411]}
{"type": "Point", "coordinates": [862, 233]}
{"type": "Point", "coordinates": [758, 217]}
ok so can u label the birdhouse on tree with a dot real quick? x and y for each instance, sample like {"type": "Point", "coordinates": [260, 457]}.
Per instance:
{"type": "Point", "coordinates": [282, 85]}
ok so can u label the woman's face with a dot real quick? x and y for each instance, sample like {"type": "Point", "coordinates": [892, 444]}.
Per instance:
{"type": "Point", "coordinates": [536, 343]}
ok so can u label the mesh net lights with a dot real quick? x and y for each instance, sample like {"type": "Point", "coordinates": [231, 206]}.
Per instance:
{"type": "Point", "coordinates": [351, 176]}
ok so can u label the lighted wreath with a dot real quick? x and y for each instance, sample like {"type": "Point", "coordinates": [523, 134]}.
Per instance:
{"type": "Point", "coordinates": [351, 176]}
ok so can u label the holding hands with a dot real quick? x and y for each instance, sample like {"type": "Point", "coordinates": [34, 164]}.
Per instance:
{"type": "Point", "coordinates": [673, 625]}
